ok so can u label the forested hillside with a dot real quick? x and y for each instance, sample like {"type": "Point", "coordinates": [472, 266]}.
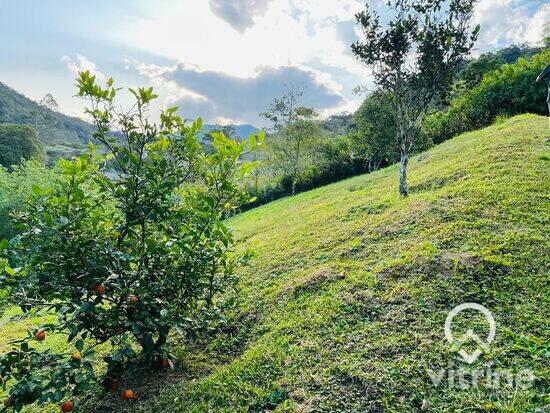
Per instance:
{"type": "Point", "coordinates": [63, 135]}
{"type": "Point", "coordinates": [53, 128]}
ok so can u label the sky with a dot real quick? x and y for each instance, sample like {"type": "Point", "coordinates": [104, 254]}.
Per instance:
{"type": "Point", "coordinates": [223, 60]}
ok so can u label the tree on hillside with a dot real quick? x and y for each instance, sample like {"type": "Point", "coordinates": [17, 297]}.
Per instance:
{"type": "Point", "coordinates": [295, 132]}
{"type": "Point", "coordinates": [414, 57]}
{"type": "Point", "coordinates": [19, 143]}
{"type": "Point", "coordinates": [376, 128]}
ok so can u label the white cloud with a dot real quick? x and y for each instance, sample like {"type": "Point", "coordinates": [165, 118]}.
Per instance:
{"type": "Point", "coordinates": [272, 35]}
{"type": "Point", "coordinates": [286, 31]}
{"type": "Point", "coordinates": [239, 13]}
{"type": "Point", "coordinates": [505, 22]}
{"type": "Point", "coordinates": [219, 96]}
{"type": "Point", "coordinates": [303, 34]}
{"type": "Point", "coordinates": [535, 30]}
{"type": "Point", "coordinates": [81, 63]}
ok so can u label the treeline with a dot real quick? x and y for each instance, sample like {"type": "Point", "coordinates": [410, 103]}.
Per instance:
{"type": "Point", "coordinates": [304, 153]}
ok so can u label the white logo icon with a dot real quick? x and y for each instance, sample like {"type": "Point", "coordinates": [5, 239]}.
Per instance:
{"type": "Point", "coordinates": [470, 335]}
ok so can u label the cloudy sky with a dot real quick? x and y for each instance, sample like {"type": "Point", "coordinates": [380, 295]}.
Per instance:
{"type": "Point", "coordinates": [224, 60]}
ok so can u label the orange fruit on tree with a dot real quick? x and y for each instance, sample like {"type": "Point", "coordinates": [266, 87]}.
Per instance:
{"type": "Point", "coordinates": [67, 406]}
{"type": "Point", "coordinates": [165, 363]}
{"type": "Point", "coordinates": [99, 289]}
{"type": "Point", "coordinates": [76, 356]}
{"type": "Point", "coordinates": [40, 335]}
{"type": "Point", "coordinates": [128, 394]}
{"type": "Point", "coordinates": [133, 299]}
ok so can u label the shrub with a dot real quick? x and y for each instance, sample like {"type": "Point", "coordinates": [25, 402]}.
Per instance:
{"type": "Point", "coordinates": [19, 143]}
{"type": "Point", "coordinates": [507, 91]}
{"type": "Point", "coordinates": [15, 188]}
{"type": "Point", "coordinates": [375, 137]}
{"type": "Point", "coordinates": [125, 260]}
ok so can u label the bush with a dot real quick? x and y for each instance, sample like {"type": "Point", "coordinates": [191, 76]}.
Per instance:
{"type": "Point", "coordinates": [125, 260]}
{"type": "Point", "coordinates": [15, 188]}
{"type": "Point", "coordinates": [507, 91]}
{"type": "Point", "coordinates": [376, 131]}
{"type": "Point", "coordinates": [19, 143]}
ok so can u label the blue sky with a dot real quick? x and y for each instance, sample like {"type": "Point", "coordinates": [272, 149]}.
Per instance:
{"type": "Point", "coordinates": [224, 60]}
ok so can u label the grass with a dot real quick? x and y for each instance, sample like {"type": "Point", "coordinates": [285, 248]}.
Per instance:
{"type": "Point", "coordinates": [343, 308]}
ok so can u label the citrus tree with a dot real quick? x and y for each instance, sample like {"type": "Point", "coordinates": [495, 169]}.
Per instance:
{"type": "Point", "coordinates": [122, 258]}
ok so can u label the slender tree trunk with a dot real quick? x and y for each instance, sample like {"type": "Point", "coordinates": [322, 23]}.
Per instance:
{"type": "Point", "coordinates": [403, 189]}
{"type": "Point", "coordinates": [161, 340]}
{"type": "Point", "coordinates": [293, 187]}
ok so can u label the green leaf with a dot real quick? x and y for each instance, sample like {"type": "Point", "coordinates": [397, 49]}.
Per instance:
{"type": "Point", "coordinates": [36, 190]}
{"type": "Point", "coordinates": [79, 377]}
{"type": "Point", "coordinates": [79, 344]}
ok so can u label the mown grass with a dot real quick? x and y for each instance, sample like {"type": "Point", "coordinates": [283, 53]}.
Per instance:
{"type": "Point", "coordinates": [343, 308]}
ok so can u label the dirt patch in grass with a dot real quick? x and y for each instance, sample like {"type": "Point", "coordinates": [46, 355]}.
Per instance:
{"type": "Point", "coordinates": [451, 262]}
{"type": "Point", "coordinates": [312, 282]}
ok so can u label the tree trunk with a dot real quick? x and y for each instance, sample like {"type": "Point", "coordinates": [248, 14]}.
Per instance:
{"type": "Point", "coordinates": [293, 187]}
{"type": "Point", "coordinates": [161, 340]}
{"type": "Point", "coordinates": [403, 189]}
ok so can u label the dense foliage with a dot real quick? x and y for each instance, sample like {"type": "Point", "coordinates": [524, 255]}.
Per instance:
{"type": "Point", "coordinates": [123, 261]}
{"type": "Point", "coordinates": [375, 132]}
{"type": "Point", "coordinates": [19, 143]}
{"type": "Point", "coordinates": [16, 187]}
{"type": "Point", "coordinates": [472, 72]}
{"type": "Point", "coordinates": [509, 90]}
{"type": "Point", "coordinates": [348, 145]}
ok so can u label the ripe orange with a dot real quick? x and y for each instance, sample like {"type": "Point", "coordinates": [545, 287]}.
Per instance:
{"type": "Point", "coordinates": [40, 335]}
{"type": "Point", "coordinates": [67, 406]}
{"type": "Point", "coordinates": [8, 402]}
{"type": "Point", "coordinates": [165, 363]}
{"type": "Point", "coordinates": [133, 299]}
{"type": "Point", "coordinates": [128, 394]}
{"type": "Point", "coordinates": [76, 356]}
{"type": "Point", "coordinates": [99, 289]}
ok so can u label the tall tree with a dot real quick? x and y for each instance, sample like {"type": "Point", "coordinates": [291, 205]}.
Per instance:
{"type": "Point", "coordinates": [414, 57]}
{"type": "Point", "coordinates": [295, 133]}
{"type": "Point", "coordinates": [375, 131]}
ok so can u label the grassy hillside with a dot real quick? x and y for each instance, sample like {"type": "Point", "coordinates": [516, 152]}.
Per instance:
{"type": "Point", "coordinates": [343, 308]}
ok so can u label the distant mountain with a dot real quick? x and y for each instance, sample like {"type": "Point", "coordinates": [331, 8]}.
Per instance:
{"type": "Point", "coordinates": [53, 128]}
{"type": "Point", "coordinates": [63, 135]}
{"type": "Point", "coordinates": [239, 131]}
{"type": "Point", "coordinates": [49, 102]}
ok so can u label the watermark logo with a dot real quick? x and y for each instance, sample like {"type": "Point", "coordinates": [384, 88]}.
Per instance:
{"type": "Point", "coordinates": [469, 376]}
{"type": "Point", "coordinates": [470, 336]}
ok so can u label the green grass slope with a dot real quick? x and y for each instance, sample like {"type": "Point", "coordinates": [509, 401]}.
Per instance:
{"type": "Point", "coordinates": [343, 308]}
